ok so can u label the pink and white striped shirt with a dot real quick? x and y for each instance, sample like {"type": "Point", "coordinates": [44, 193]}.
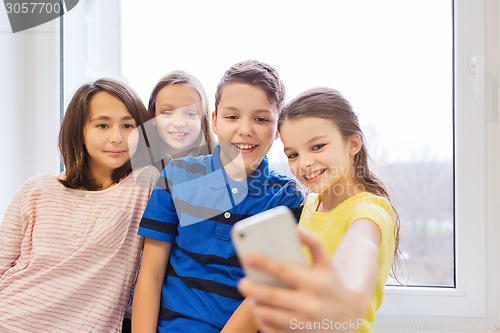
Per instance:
{"type": "Point", "coordinates": [68, 257]}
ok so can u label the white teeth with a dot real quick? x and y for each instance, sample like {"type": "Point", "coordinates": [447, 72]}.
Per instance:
{"type": "Point", "coordinates": [244, 146]}
{"type": "Point", "coordinates": [178, 134]}
{"type": "Point", "coordinates": [314, 174]}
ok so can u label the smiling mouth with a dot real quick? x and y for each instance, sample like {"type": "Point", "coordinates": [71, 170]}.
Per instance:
{"type": "Point", "coordinates": [179, 134]}
{"type": "Point", "coordinates": [116, 152]}
{"type": "Point", "coordinates": [244, 146]}
{"type": "Point", "coordinates": [314, 175]}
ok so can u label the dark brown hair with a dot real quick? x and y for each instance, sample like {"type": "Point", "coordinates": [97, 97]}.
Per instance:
{"type": "Point", "coordinates": [257, 74]}
{"type": "Point", "coordinates": [329, 104]}
{"type": "Point", "coordinates": [182, 77]}
{"type": "Point", "coordinates": [71, 138]}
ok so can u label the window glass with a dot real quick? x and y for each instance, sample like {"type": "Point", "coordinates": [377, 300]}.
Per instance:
{"type": "Point", "coordinates": [392, 59]}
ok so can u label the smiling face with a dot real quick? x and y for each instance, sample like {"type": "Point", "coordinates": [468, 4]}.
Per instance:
{"type": "Point", "coordinates": [246, 125]}
{"type": "Point", "coordinates": [319, 156]}
{"type": "Point", "coordinates": [106, 135]}
{"type": "Point", "coordinates": [178, 110]}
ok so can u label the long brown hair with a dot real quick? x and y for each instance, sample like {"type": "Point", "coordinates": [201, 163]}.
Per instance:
{"type": "Point", "coordinates": [71, 139]}
{"type": "Point", "coordinates": [327, 103]}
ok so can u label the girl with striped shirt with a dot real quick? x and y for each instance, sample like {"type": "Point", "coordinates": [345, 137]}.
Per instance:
{"type": "Point", "coordinates": [68, 243]}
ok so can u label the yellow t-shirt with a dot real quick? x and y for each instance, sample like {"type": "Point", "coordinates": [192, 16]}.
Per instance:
{"type": "Point", "coordinates": [332, 225]}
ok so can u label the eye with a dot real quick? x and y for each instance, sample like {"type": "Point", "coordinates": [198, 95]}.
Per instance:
{"type": "Point", "coordinates": [318, 147]}
{"type": "Point", "coordinates": [192, 114]}
{"type": "Point", "coordinates": [231, 117]}
{"type": "Point", "coordinates": [103, 126]}
{"type": "Point", "coordinates": [292, 156]}
{"type": "Point", "coordinates": [129, 126]}
{"type": "Point", "coordinates": [167, 113]}
{"type": "Point", "coordinates": [261, 120]}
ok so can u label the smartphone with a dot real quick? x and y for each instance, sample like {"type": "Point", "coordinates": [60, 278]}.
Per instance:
{"type": "Point", "coordinates": [272, 233]}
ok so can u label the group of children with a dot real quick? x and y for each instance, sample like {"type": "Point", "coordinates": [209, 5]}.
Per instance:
{"type": "Point", "coordinates": [70, 245]}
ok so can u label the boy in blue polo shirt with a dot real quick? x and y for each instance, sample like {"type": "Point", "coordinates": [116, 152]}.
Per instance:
{"type": "Point", "coordinates": [189, 271]}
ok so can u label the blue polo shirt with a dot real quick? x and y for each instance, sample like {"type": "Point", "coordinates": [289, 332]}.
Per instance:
{"type": "Point", "coordinates": [194, 206]}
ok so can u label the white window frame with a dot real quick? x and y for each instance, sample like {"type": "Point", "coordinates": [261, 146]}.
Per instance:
{"type": "Point", "coordinates": [98, 21]}
{"type": "Point", "coordinates": [472, 306]}
{"type": "Point", "coordinates": [476, 159]}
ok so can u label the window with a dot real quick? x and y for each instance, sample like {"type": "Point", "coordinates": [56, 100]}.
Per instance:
{"type": "Point", "coordinates": [396, 71]}
{"type": "Point", "coordinates": [415, 74]}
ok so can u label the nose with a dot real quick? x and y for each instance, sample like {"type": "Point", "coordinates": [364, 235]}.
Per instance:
{"type": "Point", "coordinates": [116, 135]}
{"type": "Point", "coordinates": [245, 128]}
{"type": "Point", "coordinates": [305, 161]}
{"type": "Point", "coordinates": [179, 119]}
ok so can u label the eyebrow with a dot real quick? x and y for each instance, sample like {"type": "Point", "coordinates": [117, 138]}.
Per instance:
{"type": "Point", "coordinates": [232, 108]}
{"type": "Point", "coordinates": [229, 108]}
{"type": "Point", "coordinates": [172, 107]}
{"type": "Point", "coordinates": [264, 111]}
{"type": "Point", "coordinates": [308, 141]}
{"type": "Point", "coordinates": [108, 118]}
{"type": "Point", "coordinates": [167, 105]}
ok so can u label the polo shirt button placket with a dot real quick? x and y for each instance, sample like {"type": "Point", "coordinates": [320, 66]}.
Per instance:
{"type": "Point", "coordinates": [227, 215]}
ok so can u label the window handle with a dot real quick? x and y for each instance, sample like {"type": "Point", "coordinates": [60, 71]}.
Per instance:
{"type": "Point", "coordinates": [477, 67]}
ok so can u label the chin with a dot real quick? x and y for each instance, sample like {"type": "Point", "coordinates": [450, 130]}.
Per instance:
{"type": "Point", "coordinates": [316, 188]}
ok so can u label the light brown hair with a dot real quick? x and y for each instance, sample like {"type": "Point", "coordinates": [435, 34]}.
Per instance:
{"type": "Point", "coordinates": [329, 104]}
{"type": "Point", "coordinates": [182, 77]}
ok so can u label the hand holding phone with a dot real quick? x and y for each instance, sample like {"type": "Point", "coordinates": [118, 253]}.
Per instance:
{"type": "Point", "coordinates": [272, 233]}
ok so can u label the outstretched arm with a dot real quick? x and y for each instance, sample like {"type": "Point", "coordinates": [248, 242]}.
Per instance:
{"type": "Point", "coordinates": [335, 289]}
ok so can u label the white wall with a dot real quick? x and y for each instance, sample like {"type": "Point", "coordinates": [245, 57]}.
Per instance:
{"type": "Point", "coordinates": [29, 93]}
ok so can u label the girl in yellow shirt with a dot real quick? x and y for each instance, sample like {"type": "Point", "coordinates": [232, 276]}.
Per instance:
{"type": "Point", "coordinates": [348, 208]}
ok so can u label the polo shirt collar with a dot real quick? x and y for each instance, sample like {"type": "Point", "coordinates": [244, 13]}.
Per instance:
{"type": "Point", "coordinates": [256, 184]}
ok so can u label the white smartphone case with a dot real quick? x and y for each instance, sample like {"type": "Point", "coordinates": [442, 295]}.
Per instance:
{"type": "Point", "coordinates": [272, 233]}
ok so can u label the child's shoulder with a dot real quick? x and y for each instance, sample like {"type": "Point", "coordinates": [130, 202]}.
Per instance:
{"type": "Point", "coordinates": [145, 176]}
{"type": "Point", "coordinates": [186, 168]}
{"type": "Point", "coordinates": [281, 183]}
{"type": "Point", "coordinates": [376, 205]}
{"type": "Point", "coordinates": [43, 181]}
{"type": "Point", "coordinates": [367, 198]}
{"type": "Point", "coordinates": [40, 185]}
{"type": "Point", "coordinates": [145, 170]}
{"type": "Point", "coordinates": [276, 178]}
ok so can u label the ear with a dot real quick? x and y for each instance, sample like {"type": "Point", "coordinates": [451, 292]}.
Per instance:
{"type": "Point", "coordinates": [214, 122]}
{"type": "Point", "coordinates": [277, 135]}
{"type": "Point", "coordinates": [355, 144]}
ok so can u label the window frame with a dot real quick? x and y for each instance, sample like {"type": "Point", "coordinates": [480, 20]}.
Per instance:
{"type": "Point", "coordinates": [98, 21]}
{"type": "Point", "coordinates": [475, 191]}
{"type": "Point", "coordinates": [432, 307]}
